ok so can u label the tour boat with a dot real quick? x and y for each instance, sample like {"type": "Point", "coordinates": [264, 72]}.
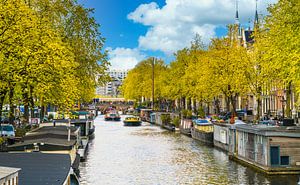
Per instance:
{"type": "Point", "coordinates": [203, 131]}
{"type": "Point", "coordinates": [132, 121]}
{"type": "Point", "coordinates": [112, 116]}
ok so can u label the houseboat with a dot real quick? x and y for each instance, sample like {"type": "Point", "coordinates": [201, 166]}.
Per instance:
{"type": "Point", "coordinates": [185, 127]}
{"type": "Point", "coordinates": [271, 149]}
{"type": "Point", "coordinates": [203, 130]}
{"type": "Point", "coordinates": [153, 118]}
{"type": "Point", "coordinates": [221, 133]}
{"type": "Point", "coordinates": [85, 132]}
{"type": "Point", "coordinates": [145, 114]}
{"type": "Point", "coordinates": [132, 121]}
{"type": "Point", "coordinates": [112, 116]}
{"type": "Point", "coordinates": [39, 168]}
{"type": "Point", "coordinates": [166, 122]}
{"type": "Point", "coordinates": [50, 139]}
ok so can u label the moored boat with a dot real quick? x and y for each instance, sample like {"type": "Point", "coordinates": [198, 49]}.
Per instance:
{"type": "Point", "coordinates": [185, 127]}
{"type": "Point", "coordinates": [112, 116]}
{"type": "Point", "coordinates": [203, 131]}
{"type": "Point", "coordinates": [132, 121]}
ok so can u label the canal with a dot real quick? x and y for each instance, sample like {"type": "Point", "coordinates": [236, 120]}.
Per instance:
{"type": "Point", "coordinates": [149, 155]}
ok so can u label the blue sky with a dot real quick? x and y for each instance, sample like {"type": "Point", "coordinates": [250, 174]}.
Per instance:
{"type": "Point", "coordinates": [137, 29]}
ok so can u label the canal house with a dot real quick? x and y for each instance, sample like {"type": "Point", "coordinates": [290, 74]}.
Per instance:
{"type": "Point", "coordinates": [221, 134]}
{"type": "Point", "coordinates": [274, 150]}
{"type": "Point", "coordinates": [9, 176]}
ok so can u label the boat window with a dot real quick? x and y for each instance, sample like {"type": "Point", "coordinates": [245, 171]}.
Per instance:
{"type": "Point", "coordinates": [284, 160]}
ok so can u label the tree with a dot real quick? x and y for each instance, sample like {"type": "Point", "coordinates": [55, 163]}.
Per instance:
{"type": "Point", "coordinates": [50, 53]}
{"type": "Point", "coordinates": [280, 44]}
{"type": "Point", "coordinates": [227, 67]}
{"type": "Point", "coordinates": [138, 82]}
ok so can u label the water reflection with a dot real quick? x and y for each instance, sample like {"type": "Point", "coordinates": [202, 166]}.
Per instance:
{"type": "Point", "coordinates": [149, 155]}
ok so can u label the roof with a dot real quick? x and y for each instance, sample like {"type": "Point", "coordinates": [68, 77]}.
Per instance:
{"type": "Point", "coordinates": [58, 130]}
{"type": "Point", "coordinates": [38, 168]}
{"type": "Point", "coordinates": [226, 124]}
{"type": "Point", "coordinates": [73, 121]}
{"type": "Point", "coordinates": [52, 139]}
{"type": "Point", "coordinates": [6, 171]}
{"type": "Point", "coordinates": [282, 131]}
{"type": "Point", "coordinates": [45, 144]}
{"type": "Point", "coordinates": [80, 113]}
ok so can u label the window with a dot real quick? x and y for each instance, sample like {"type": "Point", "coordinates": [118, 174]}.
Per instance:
{"type": "Point", "coordinates": [284, 160]}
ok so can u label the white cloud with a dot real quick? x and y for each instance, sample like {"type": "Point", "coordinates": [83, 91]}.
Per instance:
{"type": "Point", "coordinates": [174, 25]}
{"type": "Point", "coordinates": [124, 58]}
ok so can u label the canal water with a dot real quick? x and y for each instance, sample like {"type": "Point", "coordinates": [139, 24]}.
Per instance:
{"type": "Point", "coordinates": [149, 155]}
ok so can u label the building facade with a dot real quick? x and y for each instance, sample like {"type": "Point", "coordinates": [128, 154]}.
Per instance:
{"type": "Point", "coordinates": [111, 88]}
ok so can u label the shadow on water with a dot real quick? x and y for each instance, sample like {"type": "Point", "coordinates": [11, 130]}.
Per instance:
{"type": "Point", "coordinates": [150, 155]}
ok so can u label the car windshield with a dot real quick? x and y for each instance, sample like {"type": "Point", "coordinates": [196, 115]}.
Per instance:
{"type": "Point", "coordinates": [7, 128]}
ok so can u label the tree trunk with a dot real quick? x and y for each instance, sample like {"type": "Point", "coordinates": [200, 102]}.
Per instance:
{"type": "Point", "coordinates": [194, 105]}
{"type": "Point", "coordinates": [233, 103]}
{"type": "Point", "coordinates": [217, 105]}
{"type": "Point", "coordinates": [42, 114]}
{"type": "Point", "coordinates": [288, 100]}
{"type": "Point", "coordinates": [227, 101]}
{"type": "Point", "coordinates": [258, 101]}
{"type": "Point", "coordinates": [208, 109]}
{"type": "Point", "coordinates": [11, 106]}
{"type": "Point", "coordinates": [183, 103]}
{"type": "Point", "coordinates": [2, 97]}
{"type": "Point", "coordinates": [189, 104]}
{"type": "Point", "coordinates": [26, 108]}
{"type": "Point", "coordinates": [31, 102]}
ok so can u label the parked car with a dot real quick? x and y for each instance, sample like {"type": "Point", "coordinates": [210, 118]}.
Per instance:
{"type": "Point", "coordinates": [7, 130]}
{"type": "Point", "coordinates": [240, 114]}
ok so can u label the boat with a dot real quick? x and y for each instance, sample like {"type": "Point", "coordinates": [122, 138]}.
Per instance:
{"type": "Point", "coordinates": [132, 121]}
{"type": "Point", "coordinates": [203, 131]}
{"type": "Point", "coordinates": [185, 127]}
{"type": "Point", "coordinates": [86, 133]}
{"type": "Point", "coordinates": [169, 126]}
{"type": "Point", "coordinates": [112, 116]}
